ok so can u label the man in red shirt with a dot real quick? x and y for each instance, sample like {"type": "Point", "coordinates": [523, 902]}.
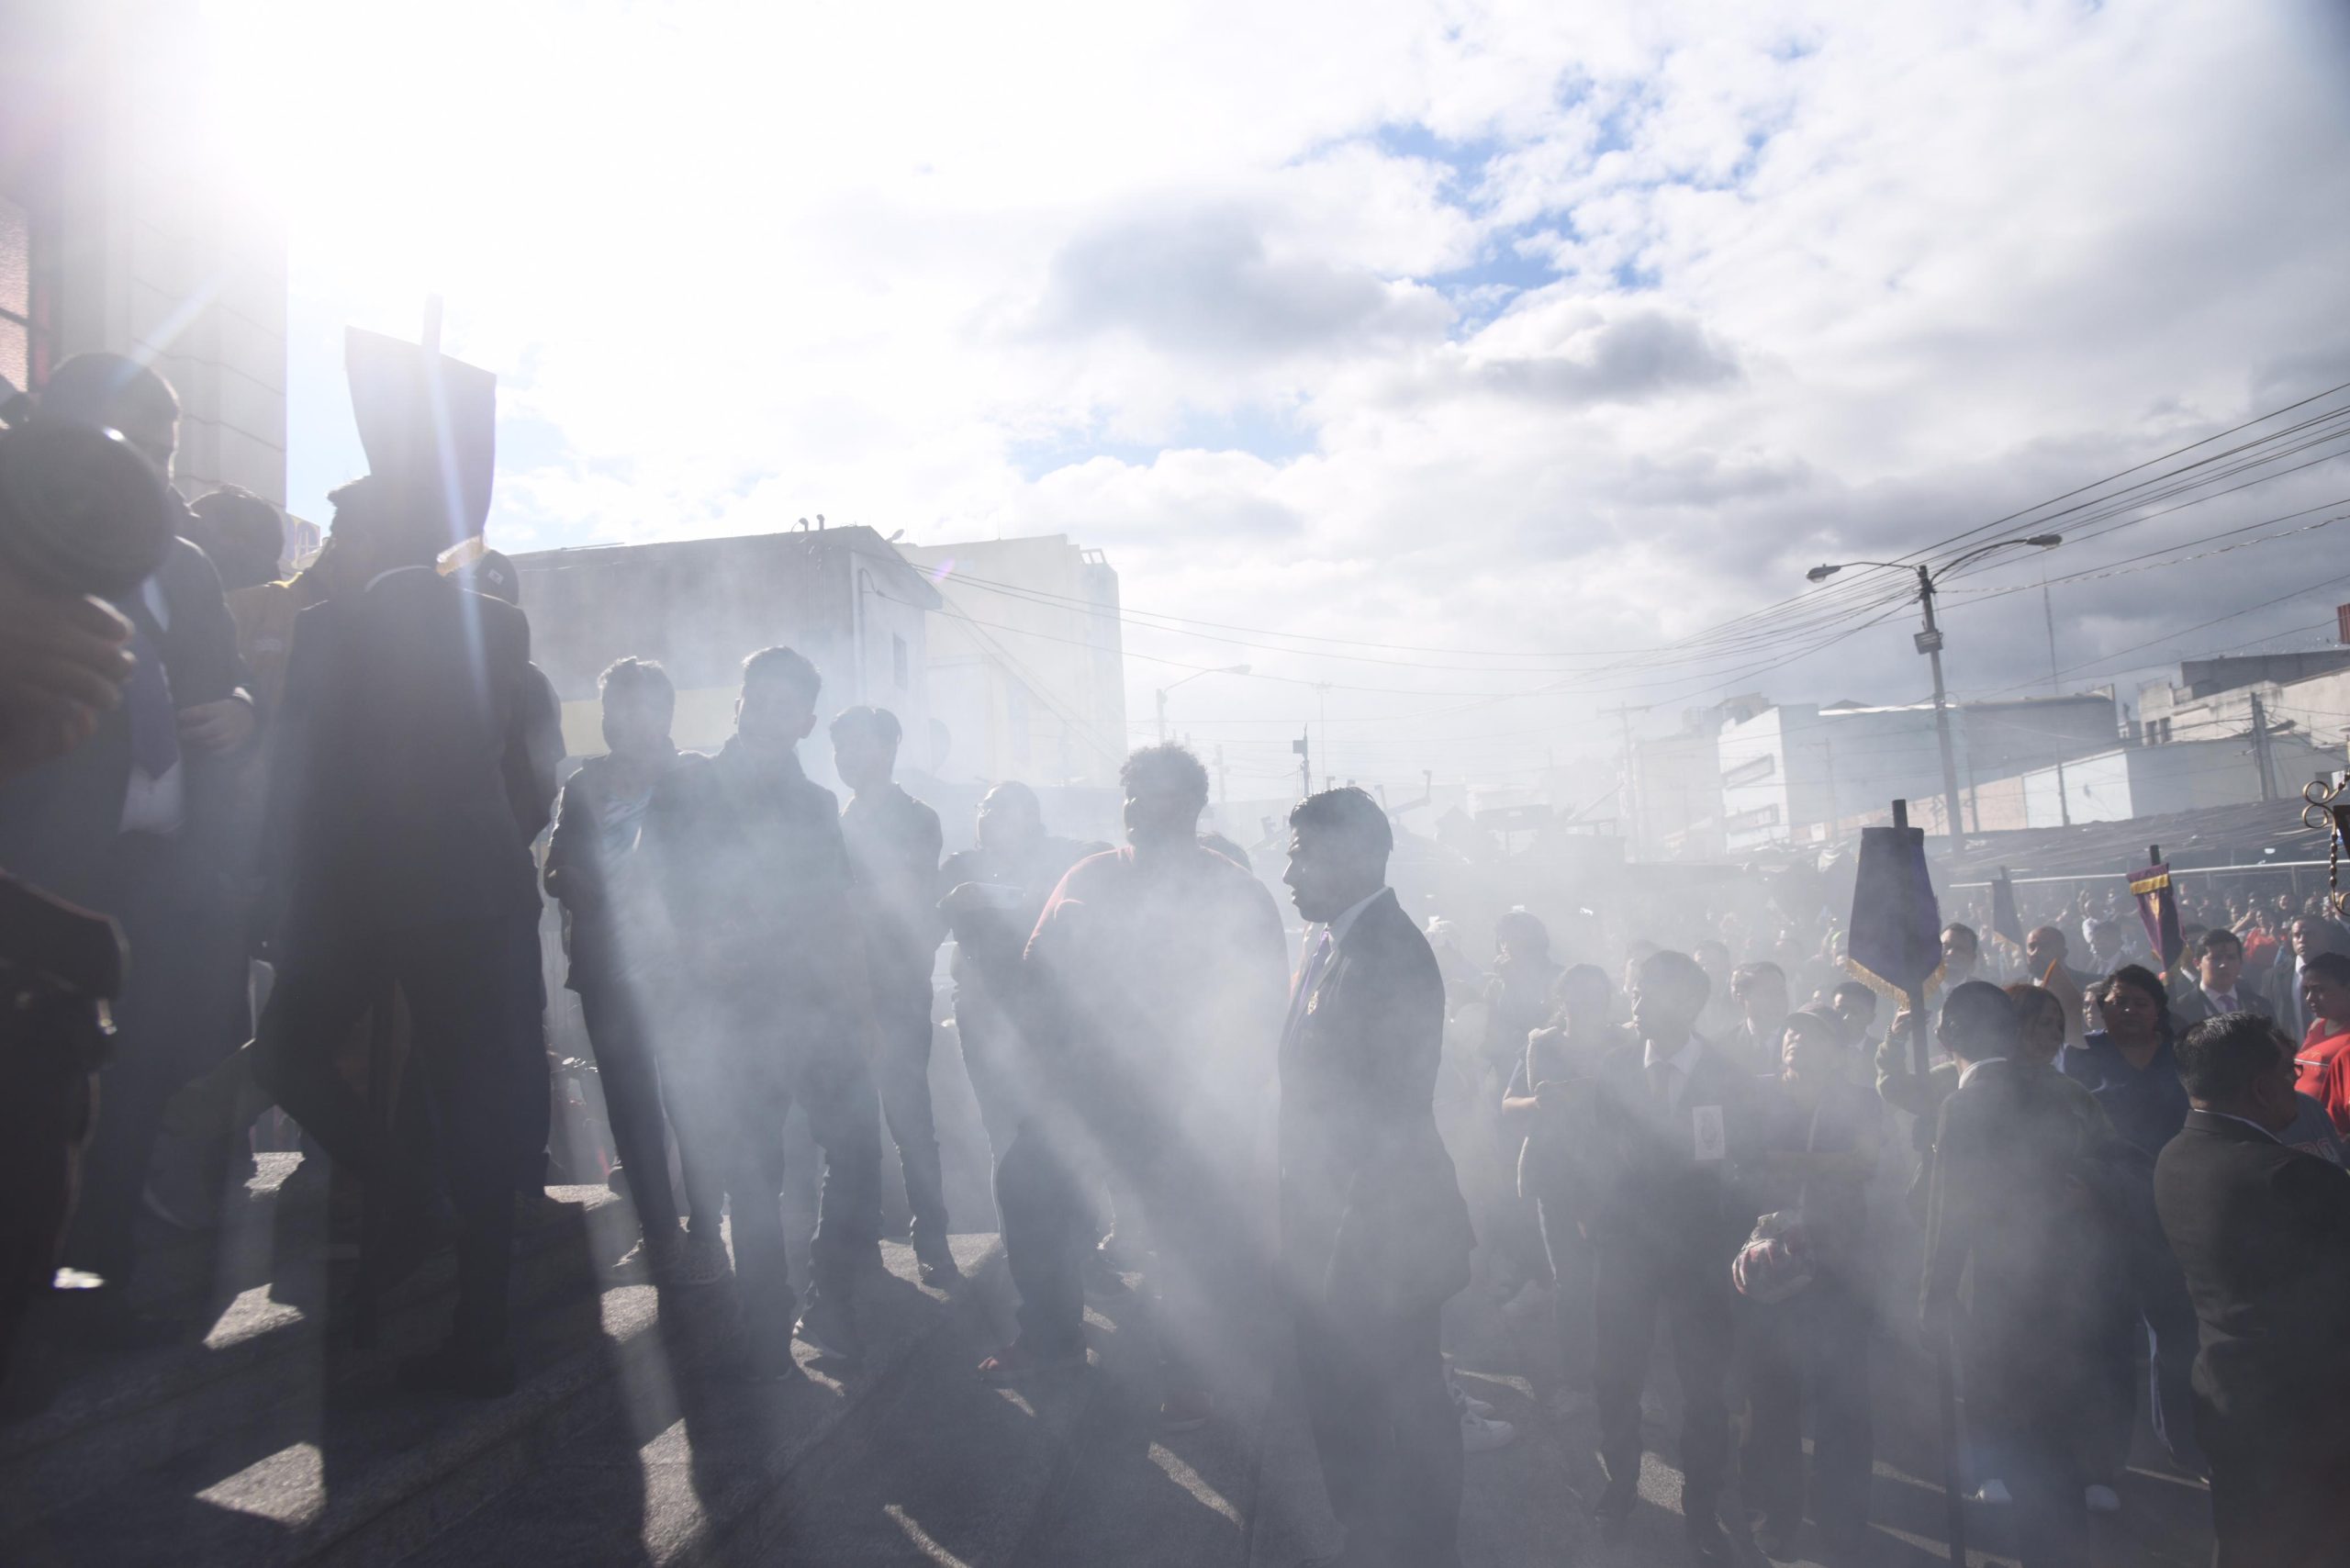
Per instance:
{"type": "Point", "coordinates": [2323, 1061]}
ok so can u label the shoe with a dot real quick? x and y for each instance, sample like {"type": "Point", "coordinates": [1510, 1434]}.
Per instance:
{"type": "Point", "coordinates": [1017, 1364]}
{"type": "Point", "coordinates": [940, 1273]}
{"type": "Point", "coordinates": [1471, 1403]}
{"type": "Point", "coordinates": [453, 1369]}
{"type": "Point", "coordinates": [1992, 1493]}
{"type": "Point", "coordinates": [702, 1262]}
{"type": "Point", "coordinates": [2102, 1499]}
{"type": "Point", "coordinates": [1480, 1435]}
{"type": "Point", "coordinates": [657, 1256]}
{"type": "Point", "coordinates": [1185, 1411]}
{"type": "Point", "coordinates": [827, 1329]}
{"type": "Point", "coordinates": [1102, 1281]}
{"type": "Point", "coordinates": [1708, 1543]}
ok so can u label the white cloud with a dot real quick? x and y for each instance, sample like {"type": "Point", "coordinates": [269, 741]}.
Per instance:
{"type": "Point", "coordinates": [1830, 279]}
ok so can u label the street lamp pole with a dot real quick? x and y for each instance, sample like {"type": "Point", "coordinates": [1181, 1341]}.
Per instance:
{"type": "Point", "coordinates": [1930, 643]}
{"type": "Point", "coordinates": [1227, 669]}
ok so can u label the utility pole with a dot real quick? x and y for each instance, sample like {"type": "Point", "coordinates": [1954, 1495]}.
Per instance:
{"type": "Point", "coordinates": [2260, 749]}
{"type": "Point", "coordinates": [2055, 688]}
{"type": "Point", "coordinates": [1303, 746]}
{"type": "Point", "coordinates": [1633, 803]}
{"type": "Point", "coordinates": [1324, 690]}
{"type": "Point", "coordinates": [1930, 643]}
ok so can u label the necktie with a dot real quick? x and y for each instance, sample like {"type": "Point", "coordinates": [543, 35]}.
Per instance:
{"type": "Point", "coordinates": [1309, 975]}
{"type": "Point", "coordinates": [154, 725]}
{"type": "Point", "coordinates": [1661, 1084]}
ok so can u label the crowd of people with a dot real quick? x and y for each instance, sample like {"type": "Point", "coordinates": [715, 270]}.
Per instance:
{"type": "Point", "coordinates": [326, 813]}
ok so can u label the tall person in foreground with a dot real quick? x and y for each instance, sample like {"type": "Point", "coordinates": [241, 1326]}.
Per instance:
{"type": "Point", "coordinates": [1374, 1230]}
{"type": "Point", "coordinates": [2262, 1232]}
{"type": "Point", "coordinates": [400, 859]}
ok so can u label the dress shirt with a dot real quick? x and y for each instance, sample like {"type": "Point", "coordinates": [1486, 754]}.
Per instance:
{"type": "Point", "coordinates": [1678, 1066]}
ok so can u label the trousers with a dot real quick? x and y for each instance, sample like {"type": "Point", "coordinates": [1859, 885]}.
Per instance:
{"type": "Point", "coordinates": [1810, 1355]}
{"type": "Point", "coordinates": [901, 1074]}
{"type": "Point", "coordinates": [629, 1065]}
{"type": "Point", "coordinates": [1688, 1293]}
{"type": "Point", "coordinates": [474, 1006]}
{"type": "Point", "coordinates": [1387, 1434]}
{"type": "Point", "coordinates": [735, 1083]}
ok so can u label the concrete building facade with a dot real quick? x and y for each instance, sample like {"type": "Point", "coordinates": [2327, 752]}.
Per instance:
{"type": "Point", "coordinates": [1028, 666]}
{"type": "Point", "coordinates": [125, 226]}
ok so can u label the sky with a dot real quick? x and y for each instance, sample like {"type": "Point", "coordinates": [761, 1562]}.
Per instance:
{"type": "Point", "coordinates": [1457, 363]}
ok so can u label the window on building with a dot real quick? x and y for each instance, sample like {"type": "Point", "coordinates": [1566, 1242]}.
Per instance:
{"type": "Point", "coordinates": [899, 661]}
{"type": "Point", "coordinates": [15, 294]}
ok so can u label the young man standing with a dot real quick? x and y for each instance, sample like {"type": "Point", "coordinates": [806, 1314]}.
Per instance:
{"type": "Point", "coordinates": [1374, 1230]}
{"type": "Point", "coordinates": [1156, 977]}
{"type": "Point", "coordinates": [894, 845]}
{"type": "Point", "coordinates": [771, 1001]}
{"type": "Point", "coordinates": [593, 869]}
{"type": "Point", "coordinates": [1669, 1120]}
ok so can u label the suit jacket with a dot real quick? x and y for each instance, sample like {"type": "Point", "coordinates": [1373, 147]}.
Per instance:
{"type": "Point", "coordinates": [752, 872]}
{"type": "Point", "coordinates": [2009, 1229]}
{"type": "Point", "coordinates": [388, 790]}
{"type": "Point", "coordinates": [1656, 1196]}
{"type": "Point", "coordinates": [2285, 995]}
{"type": "Point", "coordinates": [2262, 1232]}
{"type": "Point", "coordinates": [1370, 1204]}
{"type": "Point", "coordinates": [58, 822]}
{"type": "Point", "coordinates": [2189, 1007]}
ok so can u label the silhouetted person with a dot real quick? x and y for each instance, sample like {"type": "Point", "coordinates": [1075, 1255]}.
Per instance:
{"type": "Point", "coordinates": [2262, 1232]}
{"type": "Point", "coordinates": [1156, 975]}
{"type": "Point", "coordinates": [396, 858]}
{"type": "Point", "coordinates": [894, 846]}
{"type": "Point", "coordinates": [1810, 1352]}
{"type": "Point", "coordinates": [1555, 1172]}
{"type": "Point", "coordinates": [994, 894]}
{"type": "Point", "coordinates": [771, 1005]}
{"type": "Point", "coordinates": [2129, 1066]}
{"type": "Point", "coordinates": [130, 824]}
{"type": "Point", "coordinates": [1754, 1043]}
{"type": "Point", "coordinates": [2007, 1214]}
{"type": "Point", "coordinates": [1374, 1230]}
{"type": "Point", "coordinates": [595, 869]}
{"type": "Point", "coordinates": [64, 660]}
{"type": "Point", "coordinates": [1670, 1119]}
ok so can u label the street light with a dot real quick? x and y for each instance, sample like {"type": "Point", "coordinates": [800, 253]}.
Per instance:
{"type": "Point", "coordinates": [1227, 669]}
{"type": "Point", "coordinates": [1930, 643]}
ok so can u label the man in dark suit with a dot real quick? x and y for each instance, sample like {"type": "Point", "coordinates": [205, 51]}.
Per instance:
{"type": "Point", "coordinates": [2264, 1234]}
{"type": "Point", "coordinates": [895, 846]}
{"type": "Point", "coordinates": [2006, 1212]}
{"type": "Point", "coordinates": [1670, 1119]}
{"type": "Point", "coordinates": [131, 824]}
{"type": "Point", "coordinates": [398, 858]}
{"type": "Point", "coordinates": [772, 1006]}
{"type": "Point", "coordinates": [2310, 935]}
{"type": "Point", "coordinates": [2215, 986]}
{"type": "Point", "coordinates": [1374, 1230]}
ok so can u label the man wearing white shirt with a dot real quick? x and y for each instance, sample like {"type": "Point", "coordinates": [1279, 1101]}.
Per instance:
{"type": "Point", "coordinates": [2215, 989]}
{"type": "Point", "coordinates": [1667, 1121]}
{"type": "Point", "coordinates": [1374, 1232]}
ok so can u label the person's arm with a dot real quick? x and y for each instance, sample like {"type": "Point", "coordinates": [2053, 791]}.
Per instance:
{"type": "Point", "coordinates": [1952, 1213]}
{"type": "Point", "coordinates": [574, 877]}
{"type": "Point", "coordinates": [1519, 1102]}
{"type": "Point", "coordinates": [209, 684]}
{"type": "Point", "coordinates": [64, 661]}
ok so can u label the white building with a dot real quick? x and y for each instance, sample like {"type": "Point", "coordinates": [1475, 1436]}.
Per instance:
{"type": "Point", "coordinates": [2149, 781]}
{"type": "Point", "coordinates": [1796, 773]}
{"type": "Point", "coordinates": [1027, 663]}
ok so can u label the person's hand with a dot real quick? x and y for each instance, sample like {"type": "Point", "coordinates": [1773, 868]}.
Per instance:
{"type": "Point", "coordinates": [63, 660]}
{"type": "Point", "coordinates": [217, 726]}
